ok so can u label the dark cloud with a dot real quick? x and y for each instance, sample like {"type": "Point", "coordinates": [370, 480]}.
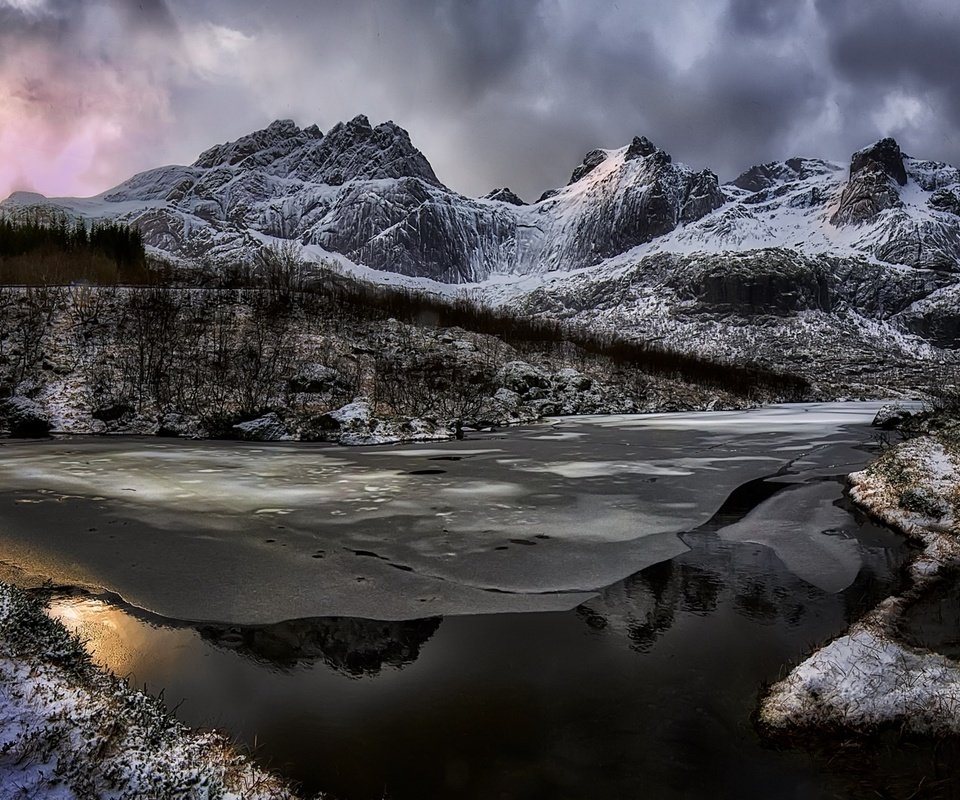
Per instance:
{"type": "Point", "coordinates": [763, 17]}
{"type": "Point", "coordinates": [884, 53]}
{"type": "Point", "coordinates": [493, 91]}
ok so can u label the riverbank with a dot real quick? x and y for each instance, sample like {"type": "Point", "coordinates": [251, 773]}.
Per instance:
{"type": "Point", "coordinates": [70, 730]}
{"type": "Point", "coordinates": [884, 671]}
{"type": "Point", "coordinates": [326, 366]}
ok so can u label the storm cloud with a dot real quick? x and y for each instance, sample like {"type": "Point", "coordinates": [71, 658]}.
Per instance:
{"type": "Point", "coordinates": [498, 92]}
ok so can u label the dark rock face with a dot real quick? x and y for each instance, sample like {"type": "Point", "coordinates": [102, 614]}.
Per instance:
{"type": "Point", "coordinates": [591, 161]}
{"type": "Point", "coordinates": [24, 418]}
{"type": "Point", "coordinates": [945, 200]}
{"type": "Point", "coordinates": [781, 282]}
{"type": "Point", "coordinates": [875, 174]}
{"type": "Point", "coordinates": [112, 413]}
{"type": "Point", "coordinates": [766, 282]}
{"type": "Point", "coordinates": [504, 195]}
{"type": "Point", "coordinates": [940, 328]}
{"type": "Point", "coordinates": [760, 177]}
{"type": "Point", "coordinates": [701, 196]}
{"type": "Point", "coordinates": [874, 291]}
{"type": "Point", "coordinates": [936, 318]}
{"type": "Point", "coordinates": [774, 173]}
{"type": "Point", "coordinates": [884, 155]}
{"type": "Point", "coordinates": [641, 147]}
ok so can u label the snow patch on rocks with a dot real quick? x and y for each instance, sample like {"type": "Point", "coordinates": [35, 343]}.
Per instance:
{"type": "Point", "coordinates": [268, 428]}
{"type": "Point", "coordinates": [355, 425]}
{"type": "Point", "coordinates": [866, 679]}
{"type": "Point", "coordinates": [870, 677]}
{"type": "Point", "coordinates": [891, 415]}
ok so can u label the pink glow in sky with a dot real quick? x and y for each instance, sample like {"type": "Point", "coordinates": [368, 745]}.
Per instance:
{"type": "Point", "coordinates": [495, 93]}
{"type": "Point", "coordinates": [76, 117]}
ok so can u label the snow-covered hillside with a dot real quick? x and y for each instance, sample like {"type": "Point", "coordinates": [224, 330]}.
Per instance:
{"type": "Point", "coordinates": [634, 241]}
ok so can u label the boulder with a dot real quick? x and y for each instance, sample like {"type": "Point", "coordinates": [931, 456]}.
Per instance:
{"type": "Point", "coordinates": [521, 377]}
{"type": "Point", "coordinates": [24, 418]}
{"type": "Point", "coordinates": [316, 379]}
{"type": "Point", "coordinates": [268, 428]}
{"type": "Point", "coordinates": [175, 425]}
{"type": "Point", "coordinates": [891, 416]}
{"type": "Point", "coordinates": [568, 377]}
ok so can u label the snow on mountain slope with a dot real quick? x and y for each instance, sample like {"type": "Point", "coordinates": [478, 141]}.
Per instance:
{"type": "Point", "coordinates": [368, 194]}
{"type": "Point", "coordinates": [800, 239]}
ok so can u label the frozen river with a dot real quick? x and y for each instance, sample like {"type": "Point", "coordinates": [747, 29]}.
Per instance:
{"type": "Point", "coordinates": [585, 608]}
{"type": "Point", "coordinates": [529, 520]}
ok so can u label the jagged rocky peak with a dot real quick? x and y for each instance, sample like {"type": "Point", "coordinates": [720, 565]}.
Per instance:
{"type": "Point", "coordinates": [764, 176]}
{"type": "Point", "coordinates": [278, 139]}
{"type": "Point", "coordinates": [885, 155]}
{"type": "Point", "coordinates": [505, 195]}
{"type": "Point", "coordinates": [641, 147]}
{"type": "Point", "coordinates": [702, 195]}
{"type": "Point", "coordinates": [876, 174]}
{"type": "Point", "coordinates": [591, 161]}
{"type": "Point", "coordinates": [356, 150]}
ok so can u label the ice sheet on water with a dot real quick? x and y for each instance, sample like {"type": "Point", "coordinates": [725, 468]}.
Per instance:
{"type": "Point", "coordinates": [413, 452]}
{"type": "Point", "coordinates": [770, 419]}
{"type": "Point", "coordinates": [276, 532]}
{"type": "Point", "coordinates": [805, 528]}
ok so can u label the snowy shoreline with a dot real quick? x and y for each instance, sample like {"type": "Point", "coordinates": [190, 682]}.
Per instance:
{"type": "Point", "coordinates": [71, 730]}
{"type": "Point", "coordinates": [873, 675]}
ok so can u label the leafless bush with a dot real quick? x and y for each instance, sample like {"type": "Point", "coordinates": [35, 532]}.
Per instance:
{"type": "Point", "coordinates": [33, 314]}
{"type": "Point", "coordinates": [280, 269]}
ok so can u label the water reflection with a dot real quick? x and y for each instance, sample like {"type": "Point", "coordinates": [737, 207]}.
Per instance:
{"type": "Point", "coordinates": [933, 619]}
{"type": "Point", "coordinates": [644, 691]}
{"type": "Point", "coordinates": [749, 577]}
{"type": "Point", "coordinates": [118, 635]}
{"type": "Point", "coordinates": [354, 647]}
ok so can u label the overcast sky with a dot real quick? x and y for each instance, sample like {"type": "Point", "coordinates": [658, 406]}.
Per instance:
{"type": "Point", "coordinates": [494, 92]}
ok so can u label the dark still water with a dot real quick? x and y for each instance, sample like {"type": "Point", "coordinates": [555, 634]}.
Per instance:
{"type": "Point", "coordinates": [646, 691]}
{"type": "Point", "coordinates": [603, 600]}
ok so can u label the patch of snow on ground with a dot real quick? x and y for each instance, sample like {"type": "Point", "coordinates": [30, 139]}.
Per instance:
{"type": "Point", "coordinates": [870, 677]}
{"type": "Point", "coordinates": [69, 731]}
{"type": "Point", "coordinates": [866, 679]}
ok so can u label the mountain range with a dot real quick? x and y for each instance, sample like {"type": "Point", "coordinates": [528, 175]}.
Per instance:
{"type": "Point", "coordinates": [849, 273]}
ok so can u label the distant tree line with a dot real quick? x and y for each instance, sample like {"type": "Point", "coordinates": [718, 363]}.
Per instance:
{"type": "Point", "coordinates": [37, 251]}
{"type": "Point", "coordinates": [279, 287]}
{"type": "Point", "coordinates": [341, 294]}
{"type": "Point", "coordinates": [281, 273]}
